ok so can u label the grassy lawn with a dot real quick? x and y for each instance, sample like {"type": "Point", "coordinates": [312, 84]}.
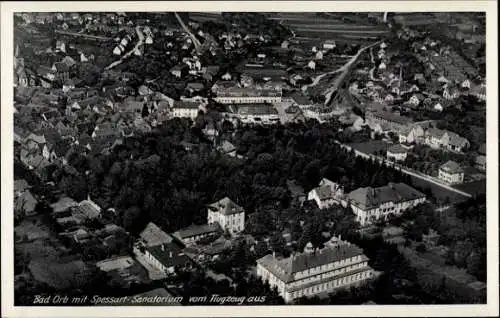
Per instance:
{"type": "Point", "coordinates": [56, 274]}
{"type": "Point", "coordinates": [438, 192]}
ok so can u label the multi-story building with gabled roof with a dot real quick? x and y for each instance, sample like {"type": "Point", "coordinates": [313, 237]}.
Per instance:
{"type": "Point", "coordinates": [316, 271]}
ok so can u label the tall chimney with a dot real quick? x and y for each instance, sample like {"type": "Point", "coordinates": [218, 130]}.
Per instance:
{"type": "Point", "coordinates": [170, 254]}
{"type": "Point", "coordinates": [385, 17]}
{"type": "Point", "coordinates": [163, 248]}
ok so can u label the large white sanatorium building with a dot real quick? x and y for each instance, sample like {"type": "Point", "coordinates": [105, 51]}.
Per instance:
{"type": "Point", "coordinates": [241, 95]}
{"type": "Point", "coordinates": [315, 272]}
{"type": "Point", "coordinates": [370, 204]}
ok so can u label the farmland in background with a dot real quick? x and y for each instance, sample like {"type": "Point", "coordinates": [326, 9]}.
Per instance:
{"type": "Point", "coordinates": [340, 27]}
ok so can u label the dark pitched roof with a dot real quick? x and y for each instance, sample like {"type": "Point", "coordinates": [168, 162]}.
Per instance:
{"type": "Point", "coordinates": [285, 268]}
{"type": "Point", "coordinates": [324, 192]}
{"type": "Point", "coordinates": [226, 206]}
{"type": "Point", "coordinates": [184, 104]}
{"type": "Point", "coordinates": [152, 235]}
{"type": "Point", "coordinates": [169, 255]}
{"type": "Point", "coordinates": [397, 149]}
{"type": "Point", "coordinates": [194, 230]}
{"type": "Point", "coordinates": [451, 167]}
{"type": "Point", "coordinates": [367, 198]}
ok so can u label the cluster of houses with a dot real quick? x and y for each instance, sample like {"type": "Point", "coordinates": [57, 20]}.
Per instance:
{"type": "Point", "coordinates": [163, 254]}
{"type": "Point", "coordinates": [447, 77]}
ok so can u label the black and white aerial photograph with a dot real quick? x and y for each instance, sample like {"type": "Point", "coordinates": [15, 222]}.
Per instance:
{"type": "Point", "coordinates": [249, 158]}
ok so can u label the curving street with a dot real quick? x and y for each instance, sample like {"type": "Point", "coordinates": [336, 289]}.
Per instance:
{"type": "Point", "coordinates": [140, 41]}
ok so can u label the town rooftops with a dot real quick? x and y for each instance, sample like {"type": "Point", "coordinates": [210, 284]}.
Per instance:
{"type": "Point", "coordinates": [152, 235]}
{"type": "Point", "coordinates": [451, 167]}
{"type": "Point", "coordinates": [20, 185]}
{"type": "Point", "coordinates": [226, 206]}
{"type": "Point", "coordinates": [39, 139]}
{"type": "Point", "coordinates": [25, 202]}
{"type": "Point", "coordinates": [284, 269]}
{"type": "Point", "coordinates": [397, 149]}
{"type": "Point", "coordinates": [456, 140]}
{"type": "Point", "coordinates": [368, 198]}
{"type": "Point", "coordinates": [194, 230]}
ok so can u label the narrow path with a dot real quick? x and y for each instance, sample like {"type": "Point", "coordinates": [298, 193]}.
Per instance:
{"type": "Point", "coordinates": [126, 55]}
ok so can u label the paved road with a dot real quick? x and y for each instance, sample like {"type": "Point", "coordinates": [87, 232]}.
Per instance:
{"type": "Point", "coordinates": [126, 55]}
{"type": "Point", "coordinates": [196, 43]}
{"type": "Point", "coordinates": [345, 70]}
{"type": "Point", "coordinates": [405, 170]}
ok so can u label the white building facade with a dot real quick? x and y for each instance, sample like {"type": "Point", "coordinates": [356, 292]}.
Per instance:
{"type": "Point", "coordinates": [315, 272]}
{"type": "Point", "coordinates": [372, 204]}
{"type": "Point", "coordinates": [227, 214]}
{"type": "Point", "coordinates": [451, 173]}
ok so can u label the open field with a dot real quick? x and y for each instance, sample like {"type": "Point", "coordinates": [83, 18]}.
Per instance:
{"type": "Point", "coordinates": [338, 27]}
{"type": "Point", "coordinates": [438, 192]}
{"type": "Point", "coordinates": [205, 16]}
